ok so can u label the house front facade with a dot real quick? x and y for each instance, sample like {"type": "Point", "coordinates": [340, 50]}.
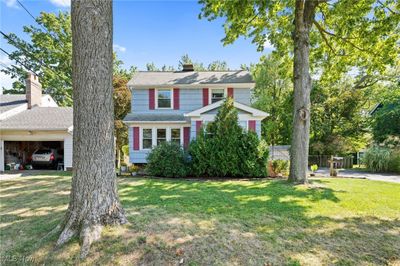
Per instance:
{"type": "Point", "coordinates": [173, 106]}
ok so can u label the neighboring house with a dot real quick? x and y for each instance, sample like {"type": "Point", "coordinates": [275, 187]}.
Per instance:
{"type": "Point", "coordinates": [32, 121]}
{"type": "Point", "coordinates": [172, 106]}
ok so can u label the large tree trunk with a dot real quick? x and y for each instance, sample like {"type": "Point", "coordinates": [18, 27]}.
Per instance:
{"type": "Point", "coordinates": [304, 15]}
{"type": "Point", "coordinates": [94, 200]}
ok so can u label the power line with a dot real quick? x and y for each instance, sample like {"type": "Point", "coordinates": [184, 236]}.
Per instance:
{"type": "Point", "coordinates": [30, 14]}
{"type": "Point", "coordinates": [16, 60]}
{"type": "Point", "coordinates": [18, 47]}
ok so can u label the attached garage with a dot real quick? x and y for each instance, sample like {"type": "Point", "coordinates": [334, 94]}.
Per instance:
{"type": "Point", "coordinates": [36, 128]}
{"type": "Point", "coordinates": [34, 121]}
{"type": "Point", "coordinates": [19, 153]}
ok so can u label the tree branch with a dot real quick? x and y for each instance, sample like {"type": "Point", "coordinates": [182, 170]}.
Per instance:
{"type": "Point", "coordinates": [388, 8]}
{"type": "Point", "coordinates": [342, 38]}
{"type": "Point", "coordinates": [324, 37]}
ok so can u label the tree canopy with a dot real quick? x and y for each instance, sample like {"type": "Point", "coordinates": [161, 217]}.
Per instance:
{"type": "Point", "coordinates": [48, 53]}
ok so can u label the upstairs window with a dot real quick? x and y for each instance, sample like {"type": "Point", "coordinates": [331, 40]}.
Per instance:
{"type": "Point", "coordinates": [164, 98]}
{"type": "Point", "coordinates": [217, 95]}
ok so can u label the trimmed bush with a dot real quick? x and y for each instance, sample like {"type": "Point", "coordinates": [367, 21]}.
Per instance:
{"type": "Point", "coordinates": [380, 159]}
{"type": "Point", "coordinates": [167, 160]}
{"type": "Point", "coordinates": [280, 166]}
{"type": "Point", "coordinates": [224, 149]}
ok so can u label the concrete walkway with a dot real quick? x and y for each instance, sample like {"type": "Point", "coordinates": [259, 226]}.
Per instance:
{"type": "Point", "coordinates": [361, 174]}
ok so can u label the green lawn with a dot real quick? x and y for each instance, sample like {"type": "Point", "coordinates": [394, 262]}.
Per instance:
{"type": "Point", "coordinates": [333, 221]}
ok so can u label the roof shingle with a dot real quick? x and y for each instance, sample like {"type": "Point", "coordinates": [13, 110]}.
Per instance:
{"type": "Point", "coordinates": [146, 78]}
{"type": "Point", "coordinates": [40, 118]}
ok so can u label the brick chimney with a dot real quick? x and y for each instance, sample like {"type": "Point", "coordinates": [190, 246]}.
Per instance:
{"type": "Point", "coordinates": [187, 67]}
{"type": "Point", "coordinates": [33, 91]}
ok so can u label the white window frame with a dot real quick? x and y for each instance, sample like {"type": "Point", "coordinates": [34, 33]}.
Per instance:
{"type": "Point", "coordinates": [172, 98]}
{"type": "Point", "coordinates": [180, 134]}
{"type": "Point", "coordinates": [210, 93]}
{"type": "Point", "coordinates": [141, 138]}
{"type": "Point", "coordinates": [154, 135]}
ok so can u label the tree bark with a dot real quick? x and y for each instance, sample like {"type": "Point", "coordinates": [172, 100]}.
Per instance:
{"type": "Point", "coordinates": [94, 200]}
{"type": "Point", "coordinates": [304, 15]}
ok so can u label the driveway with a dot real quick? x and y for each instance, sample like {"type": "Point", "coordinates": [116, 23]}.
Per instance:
{"type": "Point", "coordinates": [15, 174]}
{"type": "Point", "coordinates": [361, 174]}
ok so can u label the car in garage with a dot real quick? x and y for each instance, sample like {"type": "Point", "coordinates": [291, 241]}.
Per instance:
{"type": "Point", "coordinates": [46, 158]}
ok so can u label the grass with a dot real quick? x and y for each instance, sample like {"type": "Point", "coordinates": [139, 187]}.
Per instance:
{"type": "Point", "coordinates": [330, 222]}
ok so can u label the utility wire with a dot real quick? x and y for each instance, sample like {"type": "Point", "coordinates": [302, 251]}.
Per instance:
{"type": "Point", "coordinates": [22, 64]}
{"type": "Point", "coordinates": [18, 47]}
{"type": "Point", "coordinates": [30, 14]}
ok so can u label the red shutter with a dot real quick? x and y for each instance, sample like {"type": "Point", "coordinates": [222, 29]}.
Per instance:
{"type": "Point", "coordinates": [230, 92]}
{"type": "Point", "coordinates": [198, 126]}
{"type": "Point", "coordinates": [186, 137]}
{"type": "Point", "coordinates": [136, 138]}
{"type": "Point", "coordinates": [252, 125]}
{"type": "Point", "coordinates": [152, 102]}
{"type": "Point", "coordinates": [176, 98]}
{"type": "Point", "coordinates": [205, 96]}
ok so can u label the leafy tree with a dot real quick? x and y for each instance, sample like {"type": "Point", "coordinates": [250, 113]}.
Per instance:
{"type": "Point", "coordinates": [167, 68]}
{"type": "Point", "coordinates": [119, 71]}
{"type": "Point", "coordinates": [94, 199]}
{"type": "Point", "coordinates": [339, 125]}
{"type": "Point", "coordinates": [218, 66]}
{"type": "Point", "coordinates": [341, 35]}
{"type": "Point", "coordinates": [386, 120]}
{"type": "Point", "coordinates": [152, 67]}
{"type": "Point", "coordinates": [122, 106]}
{"type": "Point", "coordinates": [48, 53]}
{"type": "Point", "coordinates": [273, 94]}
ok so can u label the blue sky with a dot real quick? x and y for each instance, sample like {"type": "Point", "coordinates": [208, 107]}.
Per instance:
{"type": "Point", "coordinates": [146, 31]}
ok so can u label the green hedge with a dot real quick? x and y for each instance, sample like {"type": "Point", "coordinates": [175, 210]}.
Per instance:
{"type": "Point", "coordinates": [224, 149]}
{"type": "Point", "coordinates": [167, 160]}
{"type": "Point", "coordinates": [381, 159]}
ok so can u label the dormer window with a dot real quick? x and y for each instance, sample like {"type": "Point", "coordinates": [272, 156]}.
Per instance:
{"type": "Point", "coordinates": [217, 95]}
{"type": "Point", "coordinates": [164, 98]}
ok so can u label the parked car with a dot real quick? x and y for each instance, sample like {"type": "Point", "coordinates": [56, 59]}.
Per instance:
{"type": "Point", "coordinates": [46, 158]}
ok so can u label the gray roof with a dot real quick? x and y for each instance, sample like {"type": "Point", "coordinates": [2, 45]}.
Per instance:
{"type": "Point", "coordinates": [10, 101]}
{"type": "Point", "coordinates": [40, 118]}
{"type": "Point", "coordinates": [146, 78]}
{"type": "Point", "coordinates": [138, 117]}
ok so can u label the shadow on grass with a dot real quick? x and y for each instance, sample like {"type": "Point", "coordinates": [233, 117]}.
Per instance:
{"type": "Point", "coordinates": [201, 222]}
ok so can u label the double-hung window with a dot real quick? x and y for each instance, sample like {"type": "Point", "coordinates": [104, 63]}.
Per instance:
{"type": "Point", "coordinates": [161, 135]}
{"type": "Point", "coordinates": [217, 95]}
{"type": "Point", "coordinates": [147, 139]}
{"type": "Point", "coordinates": [164, 98]}
{"type": "Point", "coordinates": [176, 135]}
{"type": "Point", "coordinates": [155, 136]}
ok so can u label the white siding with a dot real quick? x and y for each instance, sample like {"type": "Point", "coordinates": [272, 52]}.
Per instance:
{"type": "Point", "coordinates": [68, 152]}
{"type": "Point", "coordinates": [1, 155]}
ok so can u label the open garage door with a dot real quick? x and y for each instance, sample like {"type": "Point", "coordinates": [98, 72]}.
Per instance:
{"type": "Point", "coordinates": [18, 154]}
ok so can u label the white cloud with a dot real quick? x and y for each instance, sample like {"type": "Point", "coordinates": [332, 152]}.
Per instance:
{"type": "Point", "coordinates": [11, 3]}
{"type": "Point", "coordinates": [268, 45]}
{"type": "Point", "coordinates": [5, 80]}
{"type": "Point", "coordinates": [61, 3]}
{"type": "Point", "coordinates": [119, 48]}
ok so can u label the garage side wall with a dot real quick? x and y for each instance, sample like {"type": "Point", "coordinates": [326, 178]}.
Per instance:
{"type": "Point", "coordinates": [68, 152]}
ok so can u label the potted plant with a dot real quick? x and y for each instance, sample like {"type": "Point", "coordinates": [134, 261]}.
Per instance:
{"type": "Point", "coordinates": [124, 167]}
{"type": "Point", "coordinates": [133, 169]}
{"type": "Point", "coordinates": [314, 168]}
